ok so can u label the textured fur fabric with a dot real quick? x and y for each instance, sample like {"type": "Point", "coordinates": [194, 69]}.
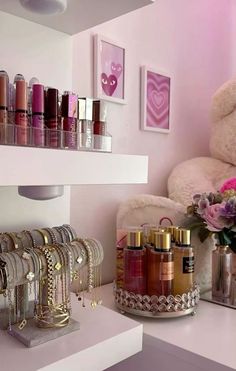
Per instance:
{"type": "Point", "coordinates": [223, 135]}
{"type": "Point", "coordinates": [198, 175]}
{"type": "Point", "coordinates": [150, 209]}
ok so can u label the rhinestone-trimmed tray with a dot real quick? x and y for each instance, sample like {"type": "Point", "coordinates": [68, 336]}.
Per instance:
{"type": "Point", "coordinates": [157, 306]}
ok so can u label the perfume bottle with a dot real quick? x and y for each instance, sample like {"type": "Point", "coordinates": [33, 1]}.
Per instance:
{"type": "Point", "coordinates": [172, 229]}
{"type": "Point", "coordinates": [160, 272]}
{"type": "Point", "coordinates": [135, 264]}
{"type": "Point", "coordinates": [183, 262]}
{"type": "Point", "coordinates": [221, 271]}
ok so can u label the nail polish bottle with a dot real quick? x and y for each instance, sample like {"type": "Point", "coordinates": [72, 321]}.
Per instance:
{"type": "Point", "coordinates": [160, 266]}
{"type": "Point", "coordinates": [135, 264]}
{"type": "Point", "coordinates": [183, 262]}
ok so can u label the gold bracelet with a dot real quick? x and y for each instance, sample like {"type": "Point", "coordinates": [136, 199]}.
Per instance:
{"type": "Point", "coordinates": [43, 234]}
{"type": "Point", "coordinates": [13, 239]}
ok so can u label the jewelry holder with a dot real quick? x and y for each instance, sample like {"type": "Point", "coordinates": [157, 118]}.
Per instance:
{"type": "Point", "coordinates": [10, 241]}
{"type": "Point", "coordinates": [50, 269]}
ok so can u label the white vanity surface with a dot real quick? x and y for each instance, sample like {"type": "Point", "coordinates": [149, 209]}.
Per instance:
{"type": "Point", "coordinates": [206, 341]}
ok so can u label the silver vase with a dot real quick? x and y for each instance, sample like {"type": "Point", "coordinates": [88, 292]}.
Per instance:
{"type": "Point", "coordinates": [221, 271]}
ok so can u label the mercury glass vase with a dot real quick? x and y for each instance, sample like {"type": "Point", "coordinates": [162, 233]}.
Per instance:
{"type": "Point", "coordinates": [222, 259]}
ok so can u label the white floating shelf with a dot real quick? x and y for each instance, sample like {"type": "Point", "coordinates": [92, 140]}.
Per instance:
{"type": "Point", "coordinates": [104, 339]}
{"type": "Point", "coordinates": [79, 16]}
{"type": "Point", "coordinates": [33, 166]}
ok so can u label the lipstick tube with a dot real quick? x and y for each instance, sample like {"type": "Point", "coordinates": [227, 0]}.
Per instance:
{"type": "Point", "coordinates": [52, 121]}
{"type": "Point", "coordinates": [99, 117]}
{"type": "Point", "coordinates": [21, 114]}
{"type": "Point", "coordinates": [38, 115]}
{"type": "Point", "coordinates": [69, 120]}
{"type": "Point", "coordinates": [4, 84]}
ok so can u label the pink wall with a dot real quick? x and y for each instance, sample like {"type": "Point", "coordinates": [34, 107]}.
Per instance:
{"type": "Point", "coordinates": [188, 39]}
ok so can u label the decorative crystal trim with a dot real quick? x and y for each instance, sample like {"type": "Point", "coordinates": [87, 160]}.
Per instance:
{"type": "Point", "coordinates": [158, 304]}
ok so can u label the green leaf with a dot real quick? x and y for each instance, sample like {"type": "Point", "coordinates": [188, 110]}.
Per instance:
{"type": "Point", "coordinates": [203, 234]}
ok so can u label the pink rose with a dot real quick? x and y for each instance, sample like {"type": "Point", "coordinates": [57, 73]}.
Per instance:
{"type": "Point", "coordinates": [215, 222]}
{"type": "Point", "coordinates": [228, 185]}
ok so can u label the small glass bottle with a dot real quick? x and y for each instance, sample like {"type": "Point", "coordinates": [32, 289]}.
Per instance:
{"type": "Point", "coordinates": [160, 265]}
{"type": "Point", "coordinates": [135, 264]}
{"type": "Point", "coordinates": [221, 271]}
{"type": "Point", "coordinates": [183, 262]}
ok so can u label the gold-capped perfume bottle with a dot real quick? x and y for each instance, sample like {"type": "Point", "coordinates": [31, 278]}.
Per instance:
{"type": "Point", "coordinates": [183, 262]}
{"type": "Point", "coordinates": [135, 264]}
{"type": "Point", "coordinates": [160, 266]}
{"type": "Point", "coordinates": [172, 229]}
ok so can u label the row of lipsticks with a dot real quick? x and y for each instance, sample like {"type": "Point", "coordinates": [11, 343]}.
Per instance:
{"type": "Point", "coordinates": [160, 262]}
{"type": "Point", "coordinates": [37, 115]}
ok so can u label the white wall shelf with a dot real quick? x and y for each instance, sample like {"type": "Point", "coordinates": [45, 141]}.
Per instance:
{"type": "Point", "coordinates": [80, 15]}
{"type": "Point", "coordinates": [33, 166]}
{"type": "Point", "coordinates": [104, 339]}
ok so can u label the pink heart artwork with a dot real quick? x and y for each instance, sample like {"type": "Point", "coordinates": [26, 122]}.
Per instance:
{"type": "Point", "coordinates": [116, 69]}
{"type": "Point", "coordinates": [109, 84]}
{"type": "Point", "coordinates": [158, 88]}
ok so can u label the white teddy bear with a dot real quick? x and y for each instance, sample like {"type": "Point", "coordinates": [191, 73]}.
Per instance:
{"type": "Point", "coordinates": [198, 175]}
{"type": "Point", "coordinates": [207, 174]}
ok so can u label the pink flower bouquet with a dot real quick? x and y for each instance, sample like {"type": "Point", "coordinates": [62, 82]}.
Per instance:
{"type": "Point", "coordinates": [216, 213]}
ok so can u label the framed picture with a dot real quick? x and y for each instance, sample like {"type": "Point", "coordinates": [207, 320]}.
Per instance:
{"type": "Point", "coordinates": [109, 70]}
{"type": "Point", "coordinates": [155, 100]}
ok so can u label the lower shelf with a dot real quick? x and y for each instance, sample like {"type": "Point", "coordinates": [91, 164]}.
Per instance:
{"type": "Point", "coordinates": [104, 339]}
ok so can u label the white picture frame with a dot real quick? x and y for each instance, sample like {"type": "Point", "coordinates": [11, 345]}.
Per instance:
{"type": "Point", "coordinates": [155, 100]}
{"type": "Point", "coordinates": [109, 70]}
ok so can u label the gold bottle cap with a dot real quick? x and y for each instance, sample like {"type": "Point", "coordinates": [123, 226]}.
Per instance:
{"type": "Point", "coordinates": [151, 234]}
{"type": "Point", "coordinates": [183, 237]}
{"type": "Point", "coordinates": [162, 240]}
{"type": "Point", "coordinates": [172, 229]}
{"type": "Point", "coordinates": [134, 239]}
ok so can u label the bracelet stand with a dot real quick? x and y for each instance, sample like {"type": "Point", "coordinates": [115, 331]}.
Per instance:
{"type": "Point", "coordinates": [50, 269]}
{"type": "Point", "coordinates": [10, 241]}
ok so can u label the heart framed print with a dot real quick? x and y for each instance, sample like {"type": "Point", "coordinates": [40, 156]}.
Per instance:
{"type": "Point", "coordinates": [155, 100]}
{"type": "Point", "coordinates": [109, 70]}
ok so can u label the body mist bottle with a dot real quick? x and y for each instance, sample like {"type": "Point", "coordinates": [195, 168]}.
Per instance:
{"type": "Point", "coordinates": [183, 262]}
{"type": "Point", "coordinates": [160, 266]}
{"type": "Point", "coordinates": [135, 264]}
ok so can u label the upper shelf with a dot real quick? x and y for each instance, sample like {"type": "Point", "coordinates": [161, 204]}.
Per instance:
{"type": "Point", "coordinates": [33, 166]}
{"type": "Point", "coordinates": [80, 14]}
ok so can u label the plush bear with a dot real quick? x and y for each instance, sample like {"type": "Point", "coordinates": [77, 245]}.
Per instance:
{"type": "Point", "coordinates": [198, 175]}
{"type": "Point", "coordinates": [207, 174]}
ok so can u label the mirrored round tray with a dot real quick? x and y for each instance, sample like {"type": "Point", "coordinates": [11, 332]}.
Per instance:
{"type": "Point", "coordinates": [157, 306]}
